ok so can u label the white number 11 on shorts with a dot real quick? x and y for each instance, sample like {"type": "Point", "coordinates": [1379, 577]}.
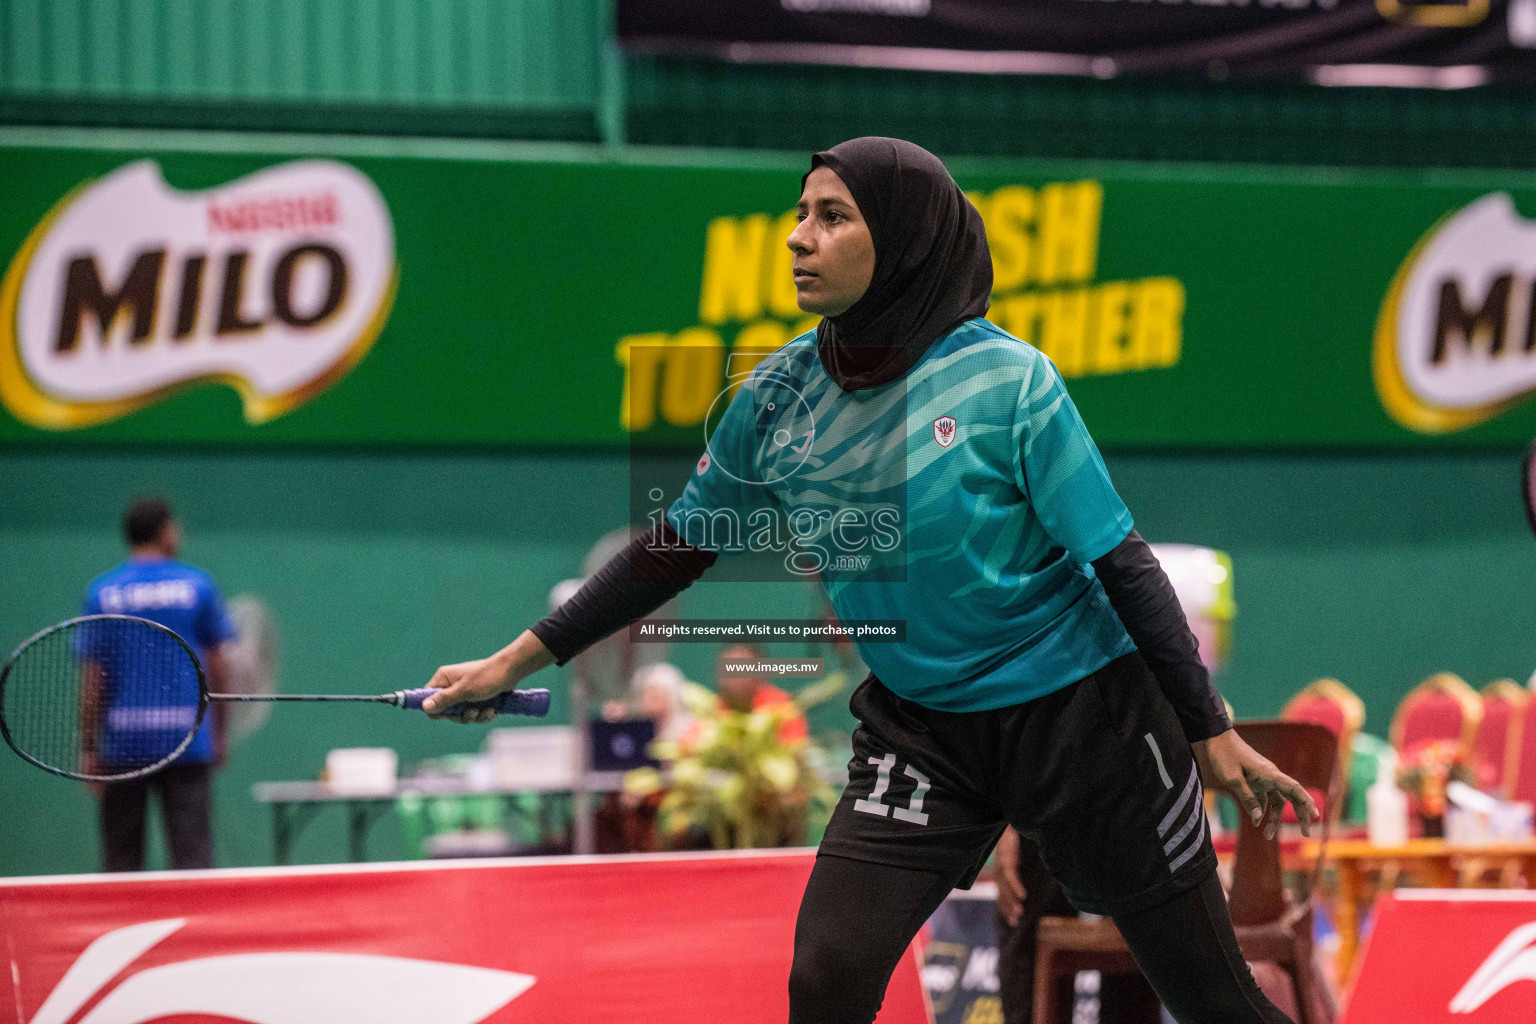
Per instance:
{"type": "Point", "coordinates": [913, 812]}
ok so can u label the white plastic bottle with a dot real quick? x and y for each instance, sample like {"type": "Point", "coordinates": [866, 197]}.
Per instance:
{"type": "Point", "coordinates": [1386, 807]}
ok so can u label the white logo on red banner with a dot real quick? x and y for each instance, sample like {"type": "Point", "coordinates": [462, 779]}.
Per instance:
{"type": "Point", "coordinates": [274, 988]}
{"type": "Point", "coordinates": [944, 431]}
{"type": "Point", "coordinates": [692, 937]}
{"type": "Point", "coordinates": [1512, 960]}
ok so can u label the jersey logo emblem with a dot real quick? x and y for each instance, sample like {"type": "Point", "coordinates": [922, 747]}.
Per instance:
{"type": "Point", "coordinates": [703, 464]}
{"type": "Point", "coordinates": [944, 431]}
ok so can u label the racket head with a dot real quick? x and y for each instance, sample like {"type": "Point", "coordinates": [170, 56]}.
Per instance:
{"type": "Point", "coordinates": [102, 698]}
{"type": "Point", "coordinates": [1528, 485]}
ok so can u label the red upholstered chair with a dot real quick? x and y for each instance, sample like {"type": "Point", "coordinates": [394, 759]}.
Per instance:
{"type": "Point", "coordinates": [1523, 774]}
{"type": "Point", "coordinates": [1442, 707]}
{"type": "Point", "coordinates": [1496, 745]}
{"type": "Point", "coordinates": [1329, 703]}
{"type": "Point", "coordinates": [1496, 756]}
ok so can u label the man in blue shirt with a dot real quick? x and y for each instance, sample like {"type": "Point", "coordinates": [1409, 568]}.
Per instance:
{"type": "Point", "coordinates": [153, 585]}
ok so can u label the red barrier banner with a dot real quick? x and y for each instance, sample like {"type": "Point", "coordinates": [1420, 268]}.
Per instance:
{"type": "Point", "coordinates": [1452, 956]}
{"type": "Point", "coordinates": [599, 940]}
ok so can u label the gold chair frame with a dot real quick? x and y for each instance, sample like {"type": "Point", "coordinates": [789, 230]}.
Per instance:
{"type": "Point", "coordinates": [1349, 703]}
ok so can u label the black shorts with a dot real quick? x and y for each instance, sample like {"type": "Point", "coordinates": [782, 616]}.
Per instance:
{"type": "Point", "coordinates": [1098, 774]}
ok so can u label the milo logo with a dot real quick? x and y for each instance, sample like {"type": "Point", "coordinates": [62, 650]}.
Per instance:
{"type": "Point", "coordinates": [1456, 337]}
{"type": "Point", "coordinates": [128, 291]}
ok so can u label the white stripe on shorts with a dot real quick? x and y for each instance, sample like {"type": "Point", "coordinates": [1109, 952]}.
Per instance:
{"type": "Point", "coordinates": [1189, 787]}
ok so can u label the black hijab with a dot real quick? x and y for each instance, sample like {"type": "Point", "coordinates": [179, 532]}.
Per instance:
{"type": "Point", "coordinates": [933, 270]}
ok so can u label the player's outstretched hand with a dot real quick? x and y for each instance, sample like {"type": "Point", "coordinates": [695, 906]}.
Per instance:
{"type": "Point", "coordinates": [466, 682]}
{"type": "Point", "coordinates": [1253, 780]}
{"type": "Point", "coordinates": [470, 681]}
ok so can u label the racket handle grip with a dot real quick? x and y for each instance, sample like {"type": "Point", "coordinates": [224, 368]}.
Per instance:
{"type": "Point", "coordinates": [534, 703]}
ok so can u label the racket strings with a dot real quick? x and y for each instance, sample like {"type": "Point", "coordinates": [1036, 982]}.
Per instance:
{"type": "Point", "coordinates": [102, 696]}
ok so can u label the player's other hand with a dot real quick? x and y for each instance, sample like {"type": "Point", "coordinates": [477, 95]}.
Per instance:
{"type": "Point", "coordinates": [1010, 890]}
{"type": "Point", "coordinates": [1259, 787]}
{"type": "Point", "coordinates": [467, 682]}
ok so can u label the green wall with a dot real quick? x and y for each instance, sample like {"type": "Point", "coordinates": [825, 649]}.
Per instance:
{"type": "Point", "coordinates": [1379, 569]}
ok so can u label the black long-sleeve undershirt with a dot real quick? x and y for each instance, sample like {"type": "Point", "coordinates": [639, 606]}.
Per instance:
{"type": "Point", "coordinates": [642, 577]}
{"type": "Point", "coordinates": [1144, 599]}
{"type": "Point", "coordinates": [646, 574]}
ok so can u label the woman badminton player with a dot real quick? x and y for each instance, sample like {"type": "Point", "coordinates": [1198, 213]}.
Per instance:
{"type": "Point", "coordinates": [1047, 678]}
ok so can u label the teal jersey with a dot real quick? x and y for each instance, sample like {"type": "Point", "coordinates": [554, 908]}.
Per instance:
{"type": "Point", "coordinates": [965, 498]}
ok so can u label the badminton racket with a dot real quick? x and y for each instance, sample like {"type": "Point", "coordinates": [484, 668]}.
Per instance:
{"type": "Point", "coordinates": [112, 697]}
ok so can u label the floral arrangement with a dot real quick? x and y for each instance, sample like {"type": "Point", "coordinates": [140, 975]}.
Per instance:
{"type": "Point", "coordinates": [741, 778]}
{"type": "Point", "coordinates": [1427, 768]}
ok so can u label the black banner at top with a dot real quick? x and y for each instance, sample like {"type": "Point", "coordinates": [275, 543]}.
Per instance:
{"type": "Point", "coordinates": [1416, 43]}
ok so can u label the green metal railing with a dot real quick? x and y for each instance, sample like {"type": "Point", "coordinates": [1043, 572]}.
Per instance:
{"type": "Point", "coordinates": [529, 68]}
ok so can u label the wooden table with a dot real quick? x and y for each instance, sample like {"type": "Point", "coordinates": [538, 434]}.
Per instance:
{"type": "Point", "coordinates": [1433, 859]}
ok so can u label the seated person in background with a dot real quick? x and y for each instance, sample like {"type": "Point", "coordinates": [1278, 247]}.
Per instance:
{"type": "Point", "coordinates": [658, 693]}
{"type": "Point", "coordinates": [626, 821]}
{"type": "Point", "coordinates": [746, 692]}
